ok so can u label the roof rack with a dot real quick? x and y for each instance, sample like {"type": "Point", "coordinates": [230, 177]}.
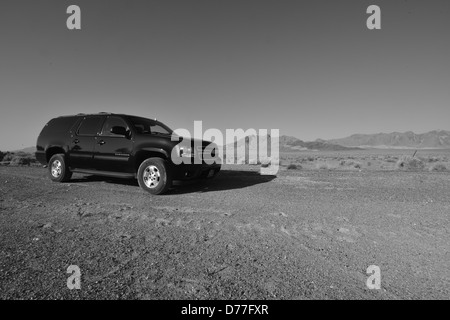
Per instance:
{"type": "Point", "coordinates": [86, 114]}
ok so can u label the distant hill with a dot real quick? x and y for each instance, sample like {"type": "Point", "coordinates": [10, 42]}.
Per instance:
{"type": "Point", "coordinates": [26, 150]}
{"type": "Point", "coordinates": [288, 143]}
{"type": "Point", "coordinates": [437, 139]}
{"type": "Point", "coordinates": [292, 144]}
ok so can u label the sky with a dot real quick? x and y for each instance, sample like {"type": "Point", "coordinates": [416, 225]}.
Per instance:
{"type": "Point", "coordinates": [311, 69]}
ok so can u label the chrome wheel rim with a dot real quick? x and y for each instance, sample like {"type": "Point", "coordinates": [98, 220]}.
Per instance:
{"type": "Point", "coordinates": [56, 168]}
{"type": "Point", "coordinates": [151, 176]}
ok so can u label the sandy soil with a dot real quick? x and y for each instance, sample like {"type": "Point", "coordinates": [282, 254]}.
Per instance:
{"type": "Point", "coordinates": [300, 235]}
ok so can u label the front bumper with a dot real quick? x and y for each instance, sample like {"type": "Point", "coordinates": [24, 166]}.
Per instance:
{"type": "Point", "coordinates": [195, 171]}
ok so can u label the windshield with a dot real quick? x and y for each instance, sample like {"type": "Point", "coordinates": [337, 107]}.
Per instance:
{"type": "Point", "coordinates": [147, 126]}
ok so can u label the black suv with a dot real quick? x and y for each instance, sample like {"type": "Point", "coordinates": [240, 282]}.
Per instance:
{"type": "Point", "coordinates": [126, 146]}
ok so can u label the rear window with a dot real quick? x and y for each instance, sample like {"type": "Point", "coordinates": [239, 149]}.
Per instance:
{"type": "Point", "coordinates": [89, 126]}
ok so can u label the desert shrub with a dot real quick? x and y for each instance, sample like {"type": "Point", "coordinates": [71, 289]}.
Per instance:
{"type": "Point", "coordinates": [21, 161]}
{"type": "Point", "coordinates": [323, 166]}
{"type": "Point", "coordinates": [433, 159]}
{"type": "Point", "coordinates": [25, 154]}
{"type": "Point", "coordinates": [438, 167]}
{"type": "Point", "coordinates": [265, 163]}
{"type": "Point", "coordinates": [357, 165]}
{"type": "Point", "coordinates": [423, 159]}
{"type": "Point", "coordinates": [8, 157]}
{"type": "Point", "coordinates": [241, 160]}
{"type": "Point", "coordinates": [293, 167]}
{"type": "Point", "coordinates": [410, 163]}
{"type": "Point", "coordinates": [351, 163]}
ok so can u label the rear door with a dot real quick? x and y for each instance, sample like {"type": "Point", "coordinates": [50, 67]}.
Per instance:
{"type": "Point", "coordinates": [83, 141]}
{"type": "Point", "coordinates": [112, 151]}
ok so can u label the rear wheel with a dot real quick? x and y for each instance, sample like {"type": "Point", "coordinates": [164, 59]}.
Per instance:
{"type": "Point", "coordinates": [154, 176]}
{"type": "Point", "coordinates": [58, 169]}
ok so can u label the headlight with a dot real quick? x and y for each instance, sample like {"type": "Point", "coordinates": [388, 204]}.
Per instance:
{"type": "Point", "coordinates": [186, 152]}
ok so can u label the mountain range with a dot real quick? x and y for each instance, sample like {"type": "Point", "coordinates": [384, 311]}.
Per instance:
{"type": "Point", "coordinates": [437, 139]}
{"type": "Point", "coordinates": [288, 144]}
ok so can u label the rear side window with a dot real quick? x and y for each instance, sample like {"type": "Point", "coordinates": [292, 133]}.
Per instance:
{"type": "Point", "coordinates": [63, 124]}
{"type": "Point", "coordinates": [113, 122]}
{"type": "Point", "coordinates": [57, 126]}
{"type": "Point", "coordinates": [89, 126]}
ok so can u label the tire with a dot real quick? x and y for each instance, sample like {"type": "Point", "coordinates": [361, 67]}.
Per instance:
{"type": "Point", "coordinates": [154, 176]}
{"type": "Point", "coordinates": [58, 169]}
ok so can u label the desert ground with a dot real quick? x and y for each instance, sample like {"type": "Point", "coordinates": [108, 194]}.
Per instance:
{"type": "Point", "coordinates": [310, 232]}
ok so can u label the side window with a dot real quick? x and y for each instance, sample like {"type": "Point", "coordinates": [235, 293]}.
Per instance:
{"type": "Point", "coordinates": [89, 126]}
{"type": "Point", "coordinates": [158, 129]}
{"type": "Point", "coordinates": [113, 122]}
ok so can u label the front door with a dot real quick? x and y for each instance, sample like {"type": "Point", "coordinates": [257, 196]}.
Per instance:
{"type": "Point", "coordinates": [113, 152]}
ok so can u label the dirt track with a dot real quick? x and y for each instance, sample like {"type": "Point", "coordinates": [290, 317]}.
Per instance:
{"type": "Point", "coordinates": [301, 235]}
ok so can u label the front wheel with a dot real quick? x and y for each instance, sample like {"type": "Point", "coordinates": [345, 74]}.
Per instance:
{"type": "Point", "coordinates": [154, 176]}
{"type": "Point", "coordinates": [58, 169]}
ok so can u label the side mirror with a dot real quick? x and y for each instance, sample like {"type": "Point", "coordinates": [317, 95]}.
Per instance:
{"type": "Point", "coordinates": [119, 131]}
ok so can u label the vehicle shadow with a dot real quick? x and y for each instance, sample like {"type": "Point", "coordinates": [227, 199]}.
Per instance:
{"type": "Point", "coordinates": [225, 180]}
{"type": "Point", "coordinates": [94, 178]}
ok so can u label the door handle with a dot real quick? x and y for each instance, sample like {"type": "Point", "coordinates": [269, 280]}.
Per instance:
{"type": "Point", "coordinates": [76, 141]}
{"type": "Point", "coordinates": [101, 142]}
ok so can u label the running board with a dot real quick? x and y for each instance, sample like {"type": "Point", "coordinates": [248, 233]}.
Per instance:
{"type": "Point", "coordinates": [105, 173]}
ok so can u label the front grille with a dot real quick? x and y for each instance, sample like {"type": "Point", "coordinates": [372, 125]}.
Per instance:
{"type": "Point", "coordinates": [203, 151]}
